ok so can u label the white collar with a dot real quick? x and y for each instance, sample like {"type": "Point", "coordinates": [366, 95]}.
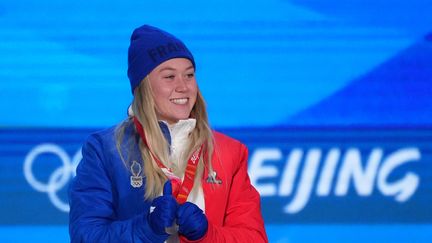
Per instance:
{"type": "Point", "coordinates": [179, 133]}
{"type": "Point", "coordinates": [181, 129]}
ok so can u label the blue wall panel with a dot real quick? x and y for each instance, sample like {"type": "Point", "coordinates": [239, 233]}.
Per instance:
{"type": "Point", "coordinates": [333, 99]}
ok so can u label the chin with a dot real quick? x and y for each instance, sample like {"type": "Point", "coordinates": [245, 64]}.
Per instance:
{"type": "Point", "coordinates": [183, 118]}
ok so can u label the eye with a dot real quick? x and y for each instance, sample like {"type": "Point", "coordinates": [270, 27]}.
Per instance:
{"type": "Point", "coordinates": [190, 75]}
{"type": "Point", "coordinates": [169, 77]}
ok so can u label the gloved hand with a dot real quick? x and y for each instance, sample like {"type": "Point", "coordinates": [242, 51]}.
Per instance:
{"type": "Point", "coordinates": [163, 211]}
{"type": "Point", "coordinates": [192, 221]}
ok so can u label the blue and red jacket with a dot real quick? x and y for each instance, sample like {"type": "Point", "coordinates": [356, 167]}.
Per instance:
{"type": "Point", "coordinates": [104, 207]}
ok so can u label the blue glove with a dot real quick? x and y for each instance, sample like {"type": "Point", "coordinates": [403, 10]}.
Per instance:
{"type": "Point", "coordinates": [164, 211]}
{"type": "Point", "coordinates": [192, 221]}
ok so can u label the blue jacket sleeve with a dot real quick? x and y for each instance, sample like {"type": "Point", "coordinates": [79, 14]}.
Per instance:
{"type": "Point", "coordinates": [92, 216]}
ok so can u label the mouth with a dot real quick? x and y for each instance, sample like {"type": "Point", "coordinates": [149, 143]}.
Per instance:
{"type": "Point", "coordinates": [180, 101]}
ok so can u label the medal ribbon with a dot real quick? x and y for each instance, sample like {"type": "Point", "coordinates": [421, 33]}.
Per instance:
{"type": "Point", "coordinates": [191, 168]}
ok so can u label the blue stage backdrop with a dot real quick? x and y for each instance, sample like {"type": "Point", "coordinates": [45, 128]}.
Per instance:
{"type": "Point", "coordinates": [333, 99]}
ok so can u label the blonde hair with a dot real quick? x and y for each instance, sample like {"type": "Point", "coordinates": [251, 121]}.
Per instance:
{"type": "Point", "coordinates": [143, 107]}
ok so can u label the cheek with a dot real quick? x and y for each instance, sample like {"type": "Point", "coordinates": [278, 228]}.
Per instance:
{"type": "Point", "coordinates": [194, 90]}
{"type": "Point", "coordinates": [161, 99]}
{"type": "Point", "coordinates": [160, 91]}
{"type": "Point", "coordinates": [162, 103]}
{"type": "Point", "coordinates": [195, 96]}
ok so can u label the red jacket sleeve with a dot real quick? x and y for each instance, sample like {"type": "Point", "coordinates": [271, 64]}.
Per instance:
{"type": "Point", "coordinates": [243, 221]}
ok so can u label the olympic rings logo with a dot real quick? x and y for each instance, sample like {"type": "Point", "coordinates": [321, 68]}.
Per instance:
{"type": "Point", "coordinates": [59, 177]}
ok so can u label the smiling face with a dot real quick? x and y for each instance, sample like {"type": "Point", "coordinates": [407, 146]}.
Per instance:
{"type": "Point", "coordinates": [174, 89]}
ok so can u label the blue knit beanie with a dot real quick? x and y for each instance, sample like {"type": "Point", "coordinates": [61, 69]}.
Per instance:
{"type": "Point", "coordinates": [149, 47]}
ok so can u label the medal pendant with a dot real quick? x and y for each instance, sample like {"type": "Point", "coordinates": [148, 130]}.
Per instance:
{"type": "Point", "coordinates": [136, 181]}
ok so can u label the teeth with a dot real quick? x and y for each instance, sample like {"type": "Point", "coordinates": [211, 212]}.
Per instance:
{"type": "Point", "coordinates": [180, 101]}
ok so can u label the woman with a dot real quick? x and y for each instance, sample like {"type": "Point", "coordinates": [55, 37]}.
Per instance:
{"type": "Point", "coordinates": [162, 175]}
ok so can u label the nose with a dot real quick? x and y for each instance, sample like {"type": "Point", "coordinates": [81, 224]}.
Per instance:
{"type": "Point", "coordinates": [181, 85]}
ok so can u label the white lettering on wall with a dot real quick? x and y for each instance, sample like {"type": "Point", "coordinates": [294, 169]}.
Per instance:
{"type": "Point", "coordinates": [342, 169]}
